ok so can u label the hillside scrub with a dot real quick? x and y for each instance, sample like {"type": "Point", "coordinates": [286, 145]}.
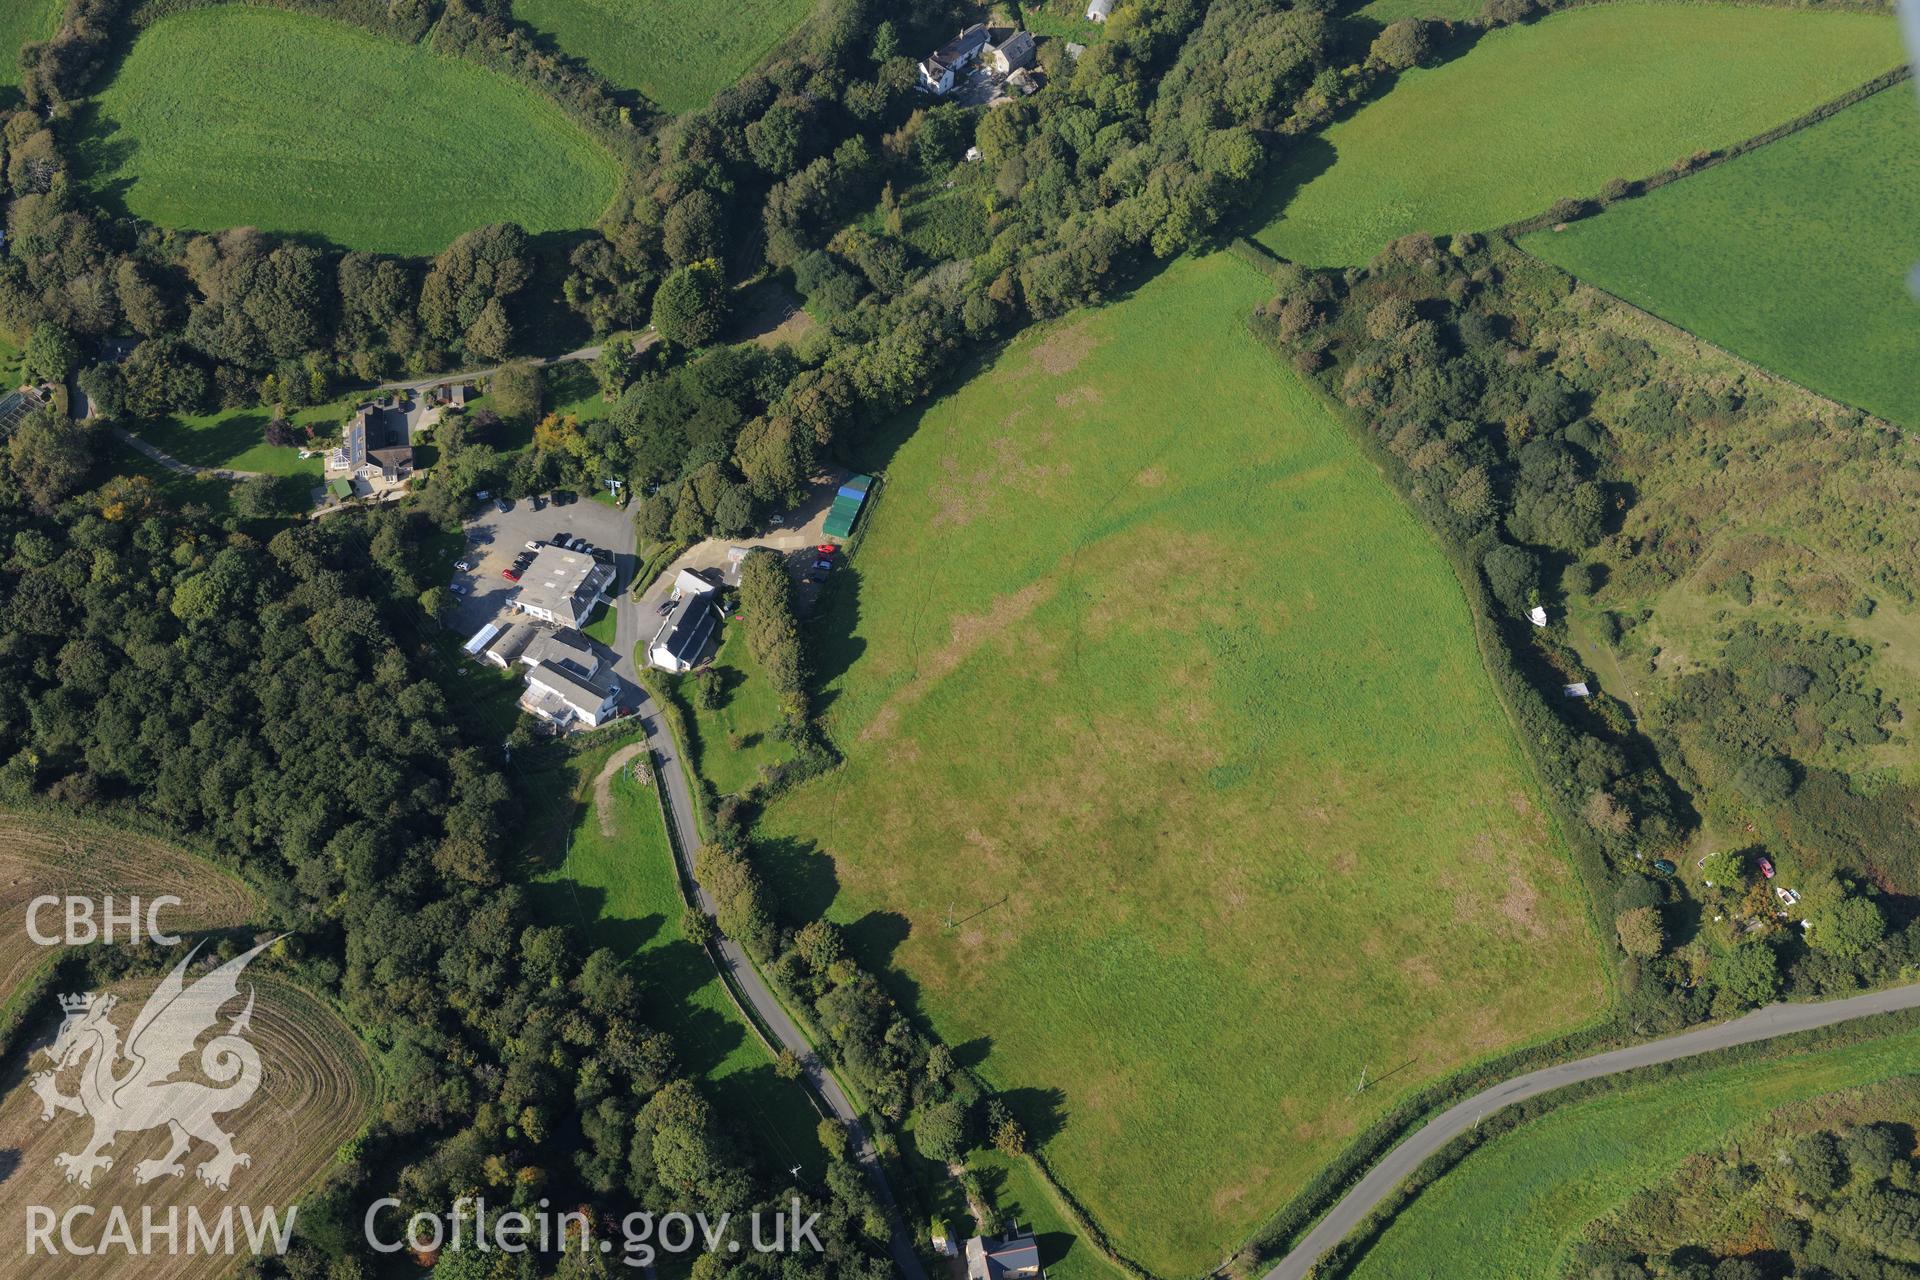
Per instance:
{"type": "Point", "coordinates": [1517, 418]}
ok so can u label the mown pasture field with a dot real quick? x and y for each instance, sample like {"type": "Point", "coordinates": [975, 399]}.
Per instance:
{"type": "Point", "coordinates": [1175, 792]}
{"type": "Point", "coordinates": [235, 439]}
{"type": "Point", "coordinates": [617, 882]}
{"type": "Point", "coordinates": [316, 1088]}
{"type": "Point", "coordinates": [1794, 255]}
{"type": "Point", "coordinates": [41, 854]}
{"type": "Point", "coordinates": [679, 53]}
{"type": "Point", "coordinates": [1514, 1206]}
{"type": "Point", "coordinates": [23, 21]}
{"type": "Point", "coordinates": [736, 739]}
{"type": "Point", "coordinates": [243, 116]}
{"type": "Point", "coordinates": [1556, 108]}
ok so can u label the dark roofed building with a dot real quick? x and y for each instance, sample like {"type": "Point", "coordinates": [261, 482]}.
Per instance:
{"type": "Point", "coordinates": [1011, 1257]}
{"type": "Point", "coordinates": [938, 70]}
{"type": "Point", "coordinates": [565, 648]}
{"type": "Point", "coordinates": [683, 638]}
{"type": "Point", "coordinates": [1015, 53]}
{"type": "Point", "coordinates": [380, 435]}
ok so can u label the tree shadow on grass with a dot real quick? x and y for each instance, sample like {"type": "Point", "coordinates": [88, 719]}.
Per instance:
{"type": "Point", "coordinates": [1311, 156]}
{"type": "Point", "coordinates": [585, 907]}
{"type": "Point", "coordinates": [800, 875]}
{"type": "Point", "coordinates": [1041, 1112]}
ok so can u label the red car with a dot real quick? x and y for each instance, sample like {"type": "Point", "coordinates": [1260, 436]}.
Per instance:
{"type": "Point", "coordinates": [511, 575]}
{"type": "Point", "coordinates": [1766, 868]}
{"type": "Point", "coordinates": [826, 548]}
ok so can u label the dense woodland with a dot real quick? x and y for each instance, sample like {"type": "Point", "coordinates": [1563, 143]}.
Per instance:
{"type": "Point", "coordinates": [276, 693]}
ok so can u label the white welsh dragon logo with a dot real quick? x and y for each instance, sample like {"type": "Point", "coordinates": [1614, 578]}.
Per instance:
{"type": "Point", "coordinates": [143, 1096]}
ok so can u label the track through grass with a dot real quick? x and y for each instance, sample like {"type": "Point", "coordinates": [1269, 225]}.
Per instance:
{"type": "Point", "coordinates": [1175, 790]}
{"type": "Point", "coordinates": [245, 116]}
{"type": "Point", "coordinates": [1556, 108]}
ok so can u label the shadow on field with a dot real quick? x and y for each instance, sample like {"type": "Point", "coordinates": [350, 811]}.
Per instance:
{"type": "Point", "coordinates": [1040, 1112]}
{"type": "Point", "coordinates": [800, 874]}
{"type": "Point", "coordinates": [9, 1163]}
{"type": "Point", "coordinates": [586, 906]}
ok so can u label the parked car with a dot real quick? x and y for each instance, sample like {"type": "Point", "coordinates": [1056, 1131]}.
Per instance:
{"type": "Point", "coordinates": [826, 548]}
{"type": "Point", "coordinates": [502, 505]}
{"type": "Point", "coordinates": [482, 496]}
{"type": "Point", "coordinates": [534, 546]}
{"type": "Point", "coordinates": [458, 588]}
{"type": "Point", "coordinates": [560, 539]}
{"type": "Point", "coordinates": [1766, 867]}
{"type": "Point", "coordinates": [1664, 867]}
{"type": "Point", "coordinates": [666, 606]}
{"type": "Point", "coordinates": [562, 497]}
{"type": "Point", "coordinates": [538, 502]}
{"type": "Point", "coordinates": [511, 575]}
{"type": "Point", "coordinates": [464, 566]}
{"type": "Point", "coordinates": [603, 555]}
{"type": "Point", "coordinates": [823, 565]}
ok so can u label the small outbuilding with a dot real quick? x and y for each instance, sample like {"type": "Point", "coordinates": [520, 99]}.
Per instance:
{"type": "Point", "coordinates": [1097, 10]}
{"type": "Point", "coordinates": [847, 504]}
{"type": "Point", "coordinates": [1578, 689]}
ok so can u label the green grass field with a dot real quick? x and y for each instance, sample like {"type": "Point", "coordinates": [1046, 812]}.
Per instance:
{"type": "Point", "coordinates": [22, 21]}
{"type": "Point", "coordinates": [619, 885]}
{"type": "Point", "coordinates": [1794, 255]}
{"type": "Point", "coordinates": [1556, 108]}
{"type": "Point", "coordinates": [235, 439]}
{"type": "Point", "coordinates": [1513, 1207]}
{"type": "Point", "coordinates": [736, 738]}
{"type": "Point", "coordinates": [235, 116]}
{"type": "Point", "coordinates": [1160, 696]}
{"type": "Point", "coordinates": [677, 52]}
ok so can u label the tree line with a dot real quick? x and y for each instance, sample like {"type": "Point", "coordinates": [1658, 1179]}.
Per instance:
{"type": "Point", "coordinates": [1500, 412]}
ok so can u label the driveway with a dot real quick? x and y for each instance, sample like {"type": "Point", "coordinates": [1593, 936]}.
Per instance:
{"type": "Point", "coordinates": [1761, 1024]}
{"type": "Point", "coordinates": [795, 536]}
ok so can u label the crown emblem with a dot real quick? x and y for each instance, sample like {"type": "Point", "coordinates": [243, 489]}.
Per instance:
{"type": "Point", "coordinates": [78, 1003]}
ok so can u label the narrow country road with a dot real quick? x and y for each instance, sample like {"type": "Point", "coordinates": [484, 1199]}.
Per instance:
{"type": "Point", "coordinates": [737, 968]}
{"type": "Point", "coordinates": [753, 988]}
{"type": "Point", "coordinates": [1761, 1024]}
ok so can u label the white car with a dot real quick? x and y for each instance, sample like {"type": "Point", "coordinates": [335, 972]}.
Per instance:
{"type": "Point", "coordinates": [464, 566]}
{"type": "Point", "coordinates": [533, 546]}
